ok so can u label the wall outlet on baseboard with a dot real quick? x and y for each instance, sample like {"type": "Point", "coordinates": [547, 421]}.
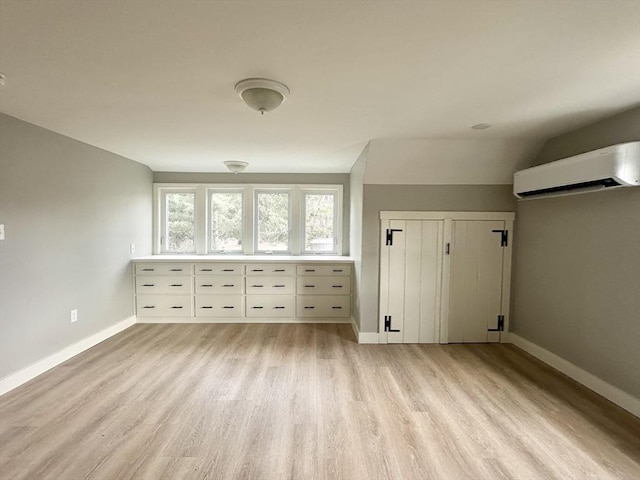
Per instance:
{"type": "Point", "coordinates": [2, 232]}
{"type": "Point", "coordinates": [74, 315]}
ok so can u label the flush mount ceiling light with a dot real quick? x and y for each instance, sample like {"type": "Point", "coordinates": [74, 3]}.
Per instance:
{"type": "Point", "coordinates": [481, 126]}
{"type": "Point", "coordinates": [262, 94]}
{"type": "Point", "coordinates": [236, 166]}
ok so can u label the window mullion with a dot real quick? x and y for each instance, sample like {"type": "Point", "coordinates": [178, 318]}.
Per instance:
{"type": "Point", "coordinates": [249, 223]}
{"type": "Point", "coordinates": [296, 222]}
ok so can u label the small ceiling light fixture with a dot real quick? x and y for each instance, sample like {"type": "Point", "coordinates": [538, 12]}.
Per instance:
{"type": "Point", "coordinates": [481, 126]}
{"type": "Point", "coordinates": [262, 94]}
{"type": "Point", "coordinates": [236, 166]}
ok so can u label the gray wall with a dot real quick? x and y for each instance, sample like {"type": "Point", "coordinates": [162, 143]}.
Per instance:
{"type": "Point", "coordinates": [357, 192]}
{"type": "Point", "coordinates": [273, 178]}
{"type": "Point", "coordinates": [577, 266]}
{"type": "Point", "coordinates": [498, 198]}
{"type": "Point", "coordinates": [70, 211]}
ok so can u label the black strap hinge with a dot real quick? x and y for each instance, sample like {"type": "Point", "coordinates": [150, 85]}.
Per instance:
{"type": "Point", "coordinates": [387, 324]}
{"type": "Point", "coordinates": [504, 237]}
{"type": "Point", "coordinates": [500, 325]}
{"type": "Point", "coordinates": [390, 235]}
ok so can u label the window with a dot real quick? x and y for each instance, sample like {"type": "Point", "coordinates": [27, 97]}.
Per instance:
{"type": "Point", "coordinates": [248, 219]}
{"type": "Point", "coordinates": [178, 234]}
{"type": "Point", "coordinates": [320, 222]}
{"type": "Point", "coordinates": [272, 221]}
{"type": "Point", "coordinates": [225, 221]}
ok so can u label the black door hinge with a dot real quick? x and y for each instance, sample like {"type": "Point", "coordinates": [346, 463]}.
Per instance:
{"type": "Point", "coordinates": [504, 237]}
{"type": "Point", "coordinates": [390, 235]}
{"type": "Point", "coordinates": [387, 324]}
{"type": "Point", "coordinates": [500, 325]}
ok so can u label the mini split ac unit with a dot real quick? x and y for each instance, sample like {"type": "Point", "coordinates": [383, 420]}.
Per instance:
{"type": "Point", "coordinates": [606, 168]}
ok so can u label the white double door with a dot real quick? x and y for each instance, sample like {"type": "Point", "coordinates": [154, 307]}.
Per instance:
{"type": "Point", "coordinates": [444, 278]}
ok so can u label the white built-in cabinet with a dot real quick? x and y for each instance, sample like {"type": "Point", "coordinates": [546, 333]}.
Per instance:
{"type": "Point", "coordinates": [444, 276]}
{"type": "Point", "coordinates": [250, 290]}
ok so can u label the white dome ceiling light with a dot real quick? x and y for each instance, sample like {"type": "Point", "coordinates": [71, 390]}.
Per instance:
{"type": "Point", "coordinates": [262, 94]}
{"type": "Point", "coordinates": [236, 166]}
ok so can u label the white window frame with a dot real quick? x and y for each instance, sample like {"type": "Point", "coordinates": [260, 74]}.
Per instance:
{"type": "Point", "coordinates": [337, 218]}
{"type": "Point", "coordinates": [267, 190]}
{"type": "Point", "coordinates": [249, 223]}
{"type": "Point", "coordinates": [224, 189]}
{"type": "Point", "coordinates": [160, 225]}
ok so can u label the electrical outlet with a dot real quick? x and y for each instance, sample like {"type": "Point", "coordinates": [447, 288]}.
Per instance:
{"type": "Point", "coordinates": [132, 248]}
{"type": "Point", "coordinates": [74, 315]}
{"type": "Point", "coordinates": [2, 232]}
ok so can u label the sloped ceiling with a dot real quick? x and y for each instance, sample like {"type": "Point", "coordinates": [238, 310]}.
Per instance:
{"type": "Point", "coordinates": [153, 80]}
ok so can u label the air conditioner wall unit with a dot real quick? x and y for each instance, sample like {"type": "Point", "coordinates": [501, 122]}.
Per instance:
{"type": "Point", "coordinates": [606, 168]}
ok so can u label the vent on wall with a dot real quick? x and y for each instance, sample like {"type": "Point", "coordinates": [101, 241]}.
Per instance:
{"type": "Point", "coordinates": [606, 168]}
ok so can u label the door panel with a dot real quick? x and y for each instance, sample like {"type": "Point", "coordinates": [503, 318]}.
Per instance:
{"type": "Point", "coordinates": [430, 281]}
{"type": "Point", "coordinates": [476, 281]}
{"type": "Point", "coordinates": [410, 281]}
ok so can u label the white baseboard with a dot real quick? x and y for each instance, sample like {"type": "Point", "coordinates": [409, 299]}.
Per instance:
{"type": "Point", "coordinates": [364, 337]}
{"type": "Point", "coordinates": [239, 320]}
{"type": "Point", "coordinates": [25, 374]}
{"type": "Point", "coordinates": [608, 391]}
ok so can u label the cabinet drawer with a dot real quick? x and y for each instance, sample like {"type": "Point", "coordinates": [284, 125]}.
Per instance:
{"type": "Point", "coordinates": [324, 285]}
{"type": "Point", "coordinates": [219, 306]}
{"type": "Point", "coordinates": [324, 270]}
{"type": "Point", "coordinates": [164, 268]}
{"type": "Point", "coordinates": [270, 285]}
{"type": "Point", "coordinates": [219, 269]}
{"type": "Point", "coordinates": [163, 284]}
{"type": "Point", "coordinates": [270, 269]}
{"type": "Point", "coordinates": [219, 284]}
{"type": "Point", "coordinates": [269, 306]}
{"type": "Point", "coordinates": [163, 305]}
{"type": "Point", "coordinates": [335, 306]}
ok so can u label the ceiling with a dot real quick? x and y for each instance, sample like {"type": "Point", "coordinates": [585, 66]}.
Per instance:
{"type": "Point", "coordinates": [154, 80]}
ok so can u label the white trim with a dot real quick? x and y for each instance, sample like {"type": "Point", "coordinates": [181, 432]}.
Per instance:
{"type": "Point", "coordinates": [405, 215]}
{"type": "Point", "coordinates": [240, 320]}
{"type": "Point", "coordinates": [368, 338]}
{"type": "Point", "coordinates": [608, 391]}
{"type": "Point", "coordinates": [25, 374]}
{"type": "Point", "coordinates": [202, 207]}
{"type": "Point", "coordinates": [364, 337]}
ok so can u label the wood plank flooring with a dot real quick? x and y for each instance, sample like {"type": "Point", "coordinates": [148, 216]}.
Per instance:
{"type": "Point", "coordinates": [272, 402]}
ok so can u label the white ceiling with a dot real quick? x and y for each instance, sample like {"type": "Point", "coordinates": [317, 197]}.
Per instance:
{"type": "Point", "coordinates": [153, 80]}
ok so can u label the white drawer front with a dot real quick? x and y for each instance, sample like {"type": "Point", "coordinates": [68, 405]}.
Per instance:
{"type": "Point", "coordinates": [323, 306]}
{"type": "Point", "coordinates": [163, 284]}
{"type": "Point", "coordinates": [164, 268]}
{"type": "Point", "coordinates": [219, 306]}
{"type": "Point", "coordinates": [219, 269]}
{"type": "Point", "coordinates": [269, 306]}
{"type": "Point", "coordinates": [324, 270]}
{"type": "Point", "coordinates": [324, 285]}
{"type": "Point", "coordinates": [164, 305]}
{"type": "Point", "coordinates": [219, 284]}
{"type": "Point", "coordinates": [270, 285]}
{"type": "Point", "coordinates": [270, 269]}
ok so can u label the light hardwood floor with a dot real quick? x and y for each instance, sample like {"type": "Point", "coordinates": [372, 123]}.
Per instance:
{"type": "Point", "coordinates": [269, 402]}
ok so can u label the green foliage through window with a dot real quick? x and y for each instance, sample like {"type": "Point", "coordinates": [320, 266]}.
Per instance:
{"type": "Point", "coordinates": [226, 222]}
{"type": "Point", "coordinates": [273, 221]}
{"type": "Point", "coordinates": [180, 211]}
{"type": "Point", "coordinates": [319, 235]}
